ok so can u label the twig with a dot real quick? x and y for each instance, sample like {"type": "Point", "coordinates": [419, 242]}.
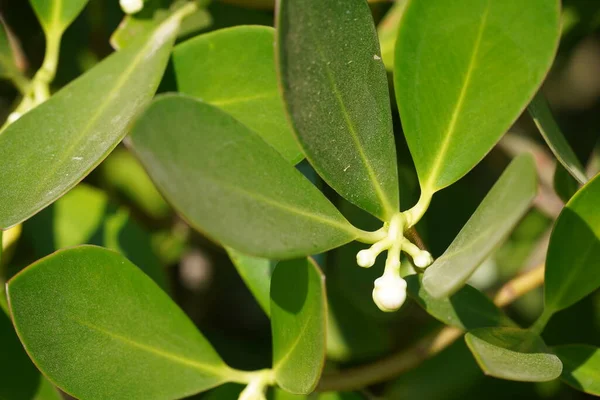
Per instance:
{"type": "Point", "coordinates": [405, 360]}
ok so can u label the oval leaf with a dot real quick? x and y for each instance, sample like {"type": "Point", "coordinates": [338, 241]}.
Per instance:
{"type": "Point", "coordinates": [467, 309]}
{"type": "Point", "coordinates": [464, 72]}
{"type": "Point", "coordinates": [544, 120]}
{"type": "Point", "coordinates": [114, 333]}
{"type": "Point", "coordinates": [298, 324]}
{"type": "Point", "coordinates": [497, 215]}
{"type": "Point", "coordinates": [335, 88]}
{"type": "Point", "coordinates": [52, 147]}
{"type": "Point", "coordinates": [86, 216]}
{"type": "Point", "coordinates": [574, 250]}
{"type": "Point", "coordinates": [581, 367]}
{"type": "Point", "coordinates": [513, 354]}
{"type": "Point", "coordinates": [56, 15]}
{"type": "Point", "coordinates": [256, 274]}
{"type": "Point", "coordinates": [227, 182]}
{"type": "Point", "coordinates": [210, 68]}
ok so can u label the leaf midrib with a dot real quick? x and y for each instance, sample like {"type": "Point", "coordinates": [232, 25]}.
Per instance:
{"type": "Point", "coordinates": [450, 131]}
{"type": "Point", "coordinates": [176, 358]}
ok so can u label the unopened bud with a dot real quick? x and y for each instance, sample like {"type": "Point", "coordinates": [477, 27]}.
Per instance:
{"type": "Point", "coordinates": [365, 258]}
{"type": "Point", "coordinates": [423, 259]}
{"type": "Point", "coordinates": [131, 6]}
{"type": "Point", "coordinates": [390, 292]}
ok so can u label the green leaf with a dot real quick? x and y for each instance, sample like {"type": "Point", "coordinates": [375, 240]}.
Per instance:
{"type": "Point", "coordinates": [544, 120]}
{"type": "Point", "coordinates": [581, 367]}
{"type": "Point", "coordinates": [497, 215]}
{"type": "Point", "coordinates": [233, 69]}
{"type": "Point", "coordinates": [298, 324]}
{"type": "Point", "coordinates": [256, 274]}
{"type": "Point", "coordinates": [513, 354]}
{"type": "Point", "coordinates": [464, 72]}
{"type": "Point", "coordinates": [467, 309]}
{"type": "Point", "coordinates": [56, 15]}
{"type": "Point", "coordinates": [19, 379]}
{"type": "Point", "coordinates": [564, 184]}
{"type": "Point", "coordinates": [111, 333]}
{"type": "Point", "coordinates": [336, 92]}
{"type": "Point", "coordinates": [153, 13]}
{"type": "Point", "coordinates": [85, 216]}
{"type": "Point", "coordinates": [574, 250]}
{"type": "Point", "coordinates": [388, 31]}
{"type": "Point", "coordinates": [8, 67]}
{"type": "Point", "coordinates": [227, 182]}
{"type": "Point", "coordinates": [51, 148]}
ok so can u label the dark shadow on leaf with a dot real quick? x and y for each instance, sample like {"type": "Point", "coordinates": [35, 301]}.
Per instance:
{"type": "Point", "coordinates": [289, 285]}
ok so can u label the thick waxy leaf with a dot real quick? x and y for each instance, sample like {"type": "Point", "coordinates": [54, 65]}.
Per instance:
{"type": "Point", "coordinates": [52, 147]}
{"type": "Point", "coordinates": [574, 250]}
{"type": "Point", "coordinates": [335, 88]}
{"type": "Point", "coordinates": [233, 69]}
{"type": "Point", "coordinates": [229, 183]}
{"type": "Point", "coordinates": [388, 31]}
{"type": "Point", "coordinates": [513, 354]}
{"type": "Point", "coordinates": [464, 72]}
{"type": "Point", "coordinates": [111, 333]}
{"type": "Point", "coordinates": [85, 216]}
{"type": "Point", "coordinates": [56, 15]}
{"type": "Point", "coordinates": [298, 323]}
{"type": "Point", "coordinates": [256, 273]}
{"type": "Point", "coordinates": [19, 379]}
{"type": "Point", "coordinates": [467, 309]}
{"type": "Point", "coordinates": [499, 212]}
{"type": "Point", "coordinates": [581, 366]}
{"type": "Point", "coordinates": [542, 116]}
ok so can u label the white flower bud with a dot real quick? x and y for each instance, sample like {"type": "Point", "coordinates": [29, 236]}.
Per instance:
{"type": "Point", "coordinates": [423, 259]}
{"type": "Point", "coordinates": [131, 6]}
{"type": "Point", "coordinates": [389, 292]}
{"type": "Point", "coordinates": [365, 258]}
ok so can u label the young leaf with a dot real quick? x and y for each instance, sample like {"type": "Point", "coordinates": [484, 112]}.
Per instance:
{"type": "Point", "coordinates": [464, 72]}
{"type": "Point", "coordinates": [544, 120]}
{"type": "Point", "coordinates": [335, 88]}
{"type": "Point", "coordinates": [227, 182]}
{"type": "Point", "coordinates": [19, 379]}
{"type": "Point", "coordinates": [388, 31]}
{"type": "Point", "coordinates": [467, 309]}
{"type": "Point", "coordinates": [52, 147]}
{"type": "Point", "coordinates": [86, 216]}
{"type": "Point", "coordinates": [499, 212]}
{"type": "Point", "coordinates": [256, 273]}
{"type": "Point", "coordinates": [210, 68]}
{"type": "Point", "coordinates": [56, 15]}
{"type": "Point", "coordinates": [8, 67]}
{"type": "Point", "coordinates": [298, 323]}
{"type": "Point", "coordinates": [513, 354]}
{"type": "Point", "coordinates": [111, 333]}
{"type": "Point", "coordinates": [574, 250]}
{"type": "Point", "coordinates": [581, 367]}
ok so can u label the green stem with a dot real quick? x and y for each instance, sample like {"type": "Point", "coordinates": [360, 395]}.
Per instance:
{"type": "Point", "coordinates": [246, 377]}
{"type": "Point", "coordinates": [539, 325]}
{"type": "Point", "coordinates": [371, 237]}
{"type": "Point", "coordinates": [415, 214]}
{"type": "Point", "coordinates": [47, 72]}
{"type": "Point", "coordinates": [20, 81]}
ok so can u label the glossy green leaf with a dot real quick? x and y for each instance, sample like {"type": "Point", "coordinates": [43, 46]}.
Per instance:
{"type": "Point", "coordinates": [298, 324]}
{"type": "Point", "coordinates": [153, 13]}
{"type": "Point", "coordinates": [574, 250]}
{"type": "Point", "coordinates": [464, 72]}
{"type": "Point", "coordinates": [467, 309]}
{"type": "Point", "coordinates": [111, 333]}
{"type": "Point", "coordinates": [51, 148]}
{"type": "Point", "coordinates": [513, 354]}
{"type": "Point", "coordinates": [256, 273]}
{"type": "Point", "coordinates": [233, 69]}
{"type": "Point", "coordinates": [581, 366]}
{"type": "Point", "coordinates": [227, 182]}
{"type": "Point", "coordinates": [336, 92]}
{"type": "Point", "coordinates": [544, 120]}
{"type": "Point", "coordinates": [19, 379]}
{"type": "Point", "coordinates": [388, 31]}
{"type": "Point", "coordinates": [86, 216]}
{"type": "Point", "coordinates": [497, 215]}
{"type": "Point", "coordinates": [56, 15]}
